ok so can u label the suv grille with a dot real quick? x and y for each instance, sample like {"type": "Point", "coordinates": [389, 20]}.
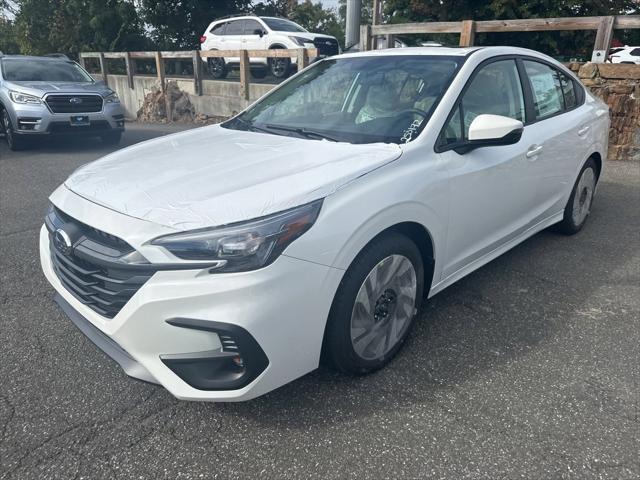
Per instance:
{"type": "Point", "coordinates": [326, 46]}
{"type": "Point", "coordinates": [74, 103]}
{"type": "Point", "coordinates": [91, 271]}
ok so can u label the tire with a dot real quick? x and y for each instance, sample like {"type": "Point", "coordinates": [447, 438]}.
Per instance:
{"type": "Point", "coordinates": [280, 67]}
{"type": "Point", "coordinates": [218, 68]}
{"type": "Point", "coordinates": [111, 138]}
{"type": "Point", "coordinates": [259, 73]}
{"type": "Point", "coordinates": [14, 142]}
{"type": "Point", "coordinates": [578, 207]}
{"type": "Point", "coordinates": [364, 332]}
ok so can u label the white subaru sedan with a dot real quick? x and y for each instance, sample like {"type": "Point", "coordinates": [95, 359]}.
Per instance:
{"type": "Point", "coordinates": [225, 261]}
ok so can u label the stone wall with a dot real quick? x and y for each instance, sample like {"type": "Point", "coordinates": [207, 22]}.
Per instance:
{"type": "Point", "coordinates": [619, 86]}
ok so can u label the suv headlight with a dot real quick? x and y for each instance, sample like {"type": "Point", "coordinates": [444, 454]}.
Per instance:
{"type": "Point", "coordinates": [24, 98]}
{"type": "Point", "coordinates": [112, 98]}
{"type": "Point", "coordinates": [243, 246]}
{"type": "Point", "coordinates": [300, 40]}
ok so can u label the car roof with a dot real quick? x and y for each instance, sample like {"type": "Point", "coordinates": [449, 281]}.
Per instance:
{"type": "Point", "coordinates": [446, 51]}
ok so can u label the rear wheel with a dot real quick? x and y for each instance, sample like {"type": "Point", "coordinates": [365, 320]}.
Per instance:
{"type": "Point", "coordinates": [578, 207]}
{"type": "Point", "coordinates": [217, 68]}
{"type": "Point", "coordinates": [14, 141]}
{"type": "Point", "coordinates": [375, 306]}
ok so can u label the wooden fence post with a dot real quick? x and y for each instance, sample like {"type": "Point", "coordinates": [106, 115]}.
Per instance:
{"type": "Point", "coordinates": [390, 41]}
{"type": "Point", "coordinates": [244, 75]}
{"type": "Point", "coordinates": [129, 66]}
{"type": "Point", "coordinates": [103, 69]}
{"type": "Point", "coordinates": [82, 62]}
{"type": "Point", "coordinates": [163, 87]}
{"type": "Point", "coordinates": [303, 58]}
{"type": "Point", "coordinates": [468, 33]}
{"type": "Point", "coordinates": [603, 40]}
{"type": "Point", "coordinates": [197, 72]}
{"type": "Point", "coordinates": [365, 38]}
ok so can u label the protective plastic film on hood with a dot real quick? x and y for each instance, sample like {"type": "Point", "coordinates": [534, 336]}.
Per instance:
{"type": "Point", "coordinates": [215, 176]}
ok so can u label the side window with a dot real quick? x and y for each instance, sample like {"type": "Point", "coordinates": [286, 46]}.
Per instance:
{"type": "Point", "coordinates": [635, 52]}
{"type": "Point", "coordinates": [569, 92]}
{"type": "Point", "coordinates": [218, 29]}
{"type": "Point", "coordinates": [235, 27]}
{"type": "Point", "coordinates": [496, 90]}
{"type": "Point", "coordinates": [250, 26]}
{"type": "Point", "coordinates": [547, 91]}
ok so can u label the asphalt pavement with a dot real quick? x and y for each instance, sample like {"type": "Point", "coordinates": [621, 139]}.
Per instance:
{"type": "Point", "coordinates": [527, 368]}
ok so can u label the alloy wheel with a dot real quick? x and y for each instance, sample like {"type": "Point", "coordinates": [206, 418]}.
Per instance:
{"type": "Point", "coordinates": [583, 196]}
{"type": "Point", "coordinates": [384, 307]}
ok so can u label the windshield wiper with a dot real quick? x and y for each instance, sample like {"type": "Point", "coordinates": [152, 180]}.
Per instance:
{"type": "Point", "coordinates": [305, 132]}
{"type": "Point", "coordinates": [250, 126]}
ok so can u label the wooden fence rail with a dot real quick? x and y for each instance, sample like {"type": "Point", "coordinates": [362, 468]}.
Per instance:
{"type": "Point", "coordinates": [302, 56]}
{"type": "Point", "coordinates": [468, 28]}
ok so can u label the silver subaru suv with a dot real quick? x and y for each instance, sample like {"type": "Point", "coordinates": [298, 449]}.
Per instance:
{"type": "Point", "coordinates": [53, 95]}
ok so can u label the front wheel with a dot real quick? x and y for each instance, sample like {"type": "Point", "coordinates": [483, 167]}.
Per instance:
{"type": "Point", "coordinates": [578, 207]}
{"type": "Point", "coordinates": [375, 306]}
{"type": "Point", "coordinates": [14, 141]}
{"type": "Point", "coordinates": [280, 67]}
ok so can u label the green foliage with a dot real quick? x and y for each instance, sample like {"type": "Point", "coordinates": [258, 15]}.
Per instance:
{"type": "Point", "coordinates": [315, 18]}
{"type": "Point", "coordinates": [178, 24]}
{"type": "Point", "coordinates": [569, 44]}
{"type": "Point", "coordinates": [71, 26]}
{"type": "Point", "coordinates": [7, 36]}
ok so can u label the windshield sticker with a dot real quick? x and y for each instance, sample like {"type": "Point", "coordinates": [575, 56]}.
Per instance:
{"type": "Point", "coordinates": [407, 136]}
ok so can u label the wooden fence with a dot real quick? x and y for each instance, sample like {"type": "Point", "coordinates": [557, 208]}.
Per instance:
{"type": "Point", "coordinates": [467, 29]}
{"type": "Point", "coordinates": [301, 54]}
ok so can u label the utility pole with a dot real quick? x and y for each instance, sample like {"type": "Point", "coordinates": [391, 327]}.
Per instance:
{"type": "Point", "coordinates": [354, 12]}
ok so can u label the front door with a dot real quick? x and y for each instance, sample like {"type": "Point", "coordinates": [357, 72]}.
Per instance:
{"type": "Point", "coordinates": [491, 188]}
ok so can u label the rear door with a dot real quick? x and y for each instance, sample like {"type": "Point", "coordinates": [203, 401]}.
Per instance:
{"type": "Point", "coordinates": [233, 36]}
{"type": "Point", "coordinates": [492, 189]}
{"type": "Point", "coordinates": [563, 134]}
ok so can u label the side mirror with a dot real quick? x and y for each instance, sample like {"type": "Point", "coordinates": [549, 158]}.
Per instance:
{"type": "Point", "coordinates": [492, 130]}
{"type": "Point", "coordinates": [260, 32]}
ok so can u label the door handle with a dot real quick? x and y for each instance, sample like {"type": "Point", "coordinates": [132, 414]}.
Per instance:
{"type": "Point", "coordinates": [533, 150]}
{"type": "Point", "coordinates": [583, 130]}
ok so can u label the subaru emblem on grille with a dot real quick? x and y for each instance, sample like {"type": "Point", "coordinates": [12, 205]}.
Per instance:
{"type": "Point", "coordinates": [75, 100]}
{"type": "Point", "coordinates": [62, 242]}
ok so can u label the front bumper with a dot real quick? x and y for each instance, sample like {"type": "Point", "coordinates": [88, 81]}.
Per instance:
{"type": "Point", "coordinates": [39, 120]}
{"type": "Point", "coordinates": [283, 307]}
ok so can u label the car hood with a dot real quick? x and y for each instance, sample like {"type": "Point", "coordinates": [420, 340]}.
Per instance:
{"type": "Point", "coordinates": [41, 88]}
{"type": "Point", "coordinates": [214, 176]}
{"type": "Point", "coordinates": [308, 35]}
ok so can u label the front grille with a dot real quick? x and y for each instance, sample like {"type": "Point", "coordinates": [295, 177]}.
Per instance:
{"type": "Point", "coordinates": [74, 103]}
{"type": "Point", "coordinates": [91, 270]}
{"type": "Point", "coordinates": [326, 46]}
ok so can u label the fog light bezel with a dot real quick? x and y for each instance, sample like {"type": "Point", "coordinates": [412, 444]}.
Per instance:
{"type": "Point", "coordinates": [211, 370]}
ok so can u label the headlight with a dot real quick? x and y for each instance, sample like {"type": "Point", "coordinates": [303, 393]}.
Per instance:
{"type": "Point", "coordinates": [300, 40]}
{"type": "Point", "coordinates": [25, 98]}
{"type": "Point", "coordinates": [112, 98]}
{"type": "Point", "coordinates": [243, 246]}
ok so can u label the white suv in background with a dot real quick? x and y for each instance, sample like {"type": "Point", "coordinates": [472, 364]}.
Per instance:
{"type": "Point", "coordinates": [625, 55]}
{"type": "Point", "coordinates": [261, 33]}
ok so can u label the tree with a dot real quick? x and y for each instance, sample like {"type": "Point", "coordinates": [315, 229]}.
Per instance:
{"type": "Point", "coordinates": [178, 24]}
{"type": "Point", "coordinates": [71, 26]}
{"type": "Point", "coordinates": [315, 18]}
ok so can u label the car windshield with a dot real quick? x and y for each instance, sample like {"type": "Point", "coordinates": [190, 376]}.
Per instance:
{"type": "Point", "coordinates": [27, 70]}
{"type": "Point", "coordinates": [357, 100]}
{"type": "Point", "coordinates": [282, 25]}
